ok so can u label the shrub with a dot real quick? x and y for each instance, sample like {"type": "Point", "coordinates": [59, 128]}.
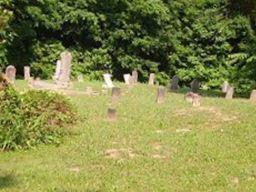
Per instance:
{"type": "Point", "coordinates": [32, 118]}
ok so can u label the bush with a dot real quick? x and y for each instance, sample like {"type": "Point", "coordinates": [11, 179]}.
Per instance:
{"type": "Point", "coordinates": [32, 118]}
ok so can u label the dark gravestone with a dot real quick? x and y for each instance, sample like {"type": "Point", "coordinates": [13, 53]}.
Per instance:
{"type": "Point", "coordinates": [112, 114]}
{"type": "Point", "coordinates": [195, 85]}
{"type": "Point", "coordinates": [230, 92]}
{"type": "Point", "coordinates": [160, 94]}
{"type": "Point", "coordinates": [116, 93]}
{"type": "Point", "coordinates": [253, 96]}
{"type": "Point", "coordinates": [174, 84]}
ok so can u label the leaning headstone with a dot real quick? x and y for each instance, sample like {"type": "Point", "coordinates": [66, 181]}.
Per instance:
{"type": "Point", "coordinates": [27, 73]}
{"type": "Point", "coordinates": [253, 96]}
{"type": "Point", "coordinates": [135, 76]}
{"type": "Point", "coordinates": [116, 93]}
{"type": "Point", "coordinates": [108, 82]}
{"type": "Point", "coordinates": [225, 87]}
{"type": "Point", "coordinates": [10, 73]}
{"type": "Point", "coordinates": [230, 92]}
{"type": "Point", "coordinates": [65, 69]}
{"type": "Point", "coordinates": [174, 83]}
{"type": "Point", "coordinates": [57, 70]}
{"type": "Point", "coordinates": [111, 114]}
{"type": "Point", "coordinates": [80, 78]}
{"type": "Point", "coordinates": [127, 79]}
{"type": "Point", "coordinates": [160, 94]}
{"type": "Point", "coordinates": [195, 85]}
{"type": "Point", "coordinates": [151, 79]}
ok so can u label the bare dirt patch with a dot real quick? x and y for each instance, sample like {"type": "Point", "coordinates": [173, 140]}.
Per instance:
{"type": "Point", "coordinates": [119, 153]}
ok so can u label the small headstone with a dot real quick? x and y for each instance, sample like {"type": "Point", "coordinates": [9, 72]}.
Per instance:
{"type": "Point", "coordinates": [174, 83]}
{"type": "Point", "coordinates": [10, 73]}
{"type": "Point", "coordinates": [230, 92]}
{"type": "Point", "coordinates": [112, 116]}
{"type": "Point", "coordinates": [80, 78]}
{"type": "Point", "coordinates": [116, 93]}
{"type": "Point", "coordinates": [160, 94]}
{"type": "Point", "coordinates": [27, 73]}
{"type": "Point", "coordinates": [225, 87]}
{"type": "Point", "coordinates": [65, 69]}
{"type": "Point", "coordinates": [57, 70]}
{"type": "Point", "coordinates": [195, 85]}
{"type": "Point", "coordinates": [127, 79]}
{"type": "Point", "coordinates": [108, 82]}
{"type": "Point", "coordinates": [253, 96]}
{"type": "Point", "coordinates": [193, 98]}
{"type": "Point", "coordinates": [151, 79]}
{"type": "Point", "coordinates": [135, 76]}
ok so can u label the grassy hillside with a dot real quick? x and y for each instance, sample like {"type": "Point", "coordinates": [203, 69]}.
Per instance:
{"type": "Point", "coordinates": [151, 147]}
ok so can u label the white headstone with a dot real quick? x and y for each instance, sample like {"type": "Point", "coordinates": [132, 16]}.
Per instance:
{"type": "Point", "coordinates": [10, 73]}
{"type": "Point", "coordinates": [57, 70]}
{"type": "Point", "coordinates": [127, 78]}
{"type": "Point", "coordinates": [108, 81]}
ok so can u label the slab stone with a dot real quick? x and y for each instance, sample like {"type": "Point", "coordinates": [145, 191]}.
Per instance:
{"type": "Point", "coordinates": [195, 85]}
{"type": "Point", "coordinates": [230, 92]}
{"type": "Point", "coordinates": [65, 69]}
{"type": "Point", "coordinates": [151, 79]}
{"type": "Point", "coordinates": [253, 96]}
{"type": "Point", "coordinates": [57, 70]}
{"type": "Point", "coordinates": [174, 84]}
{"type": "Point", "coordinates": [10, 73]}
{"type": "Point", "coordinates": [160, 94]}
{"type": "Point", "coordinates": [224, 87]}
{"type": "Point", "coordinates": [27, 73]}
{"type": "Point", "coordinates": [108, 82]}
{"type": "Point", "coordinates": [135, 76]}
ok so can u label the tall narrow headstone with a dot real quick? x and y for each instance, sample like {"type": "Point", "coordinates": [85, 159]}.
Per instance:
{"type": "Point", "coordinates": [27, 73]}
{"type": "Point", "coordinates": [230, 92]}
{"type": "Point", "coordinates": [57, 70]}
{"type": "Point", "coordinates": [160, 94]}
{"type": "Point", "coordinates": [174, 83]}
{"type": "Point", "coordinates": [10, 73]}
{"type": "Point", "coordinates": [65, 69]}
{"type": "Point", "coordinates": [195, 85]}
{"type": "Point", "coordinates": [151, 79]}
{"type": "Point", "coordinates": [225, 87]}
{"type": "Point", "coordinates": [108, 82]}
{"type": "Point", "coordinates": [253, 96]}
{"type": "Point", "coordinates": [135, 76]}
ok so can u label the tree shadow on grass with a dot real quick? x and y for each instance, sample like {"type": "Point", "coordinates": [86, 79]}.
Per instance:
{"type": "Point", "coordinates": [7, 181]}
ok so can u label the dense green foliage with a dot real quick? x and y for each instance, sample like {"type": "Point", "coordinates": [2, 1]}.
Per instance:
{"type": "Point", "coordinates": [211, 40]}
{"type": "Point", "coordinates": [32, 117]}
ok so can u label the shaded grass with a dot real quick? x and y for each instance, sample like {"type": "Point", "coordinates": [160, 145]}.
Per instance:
{"type": "Point", "coordinates": [167, 147]}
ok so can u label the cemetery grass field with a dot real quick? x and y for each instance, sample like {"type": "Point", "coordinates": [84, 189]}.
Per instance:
{"type": "Point", "coordinates": [151, 147]}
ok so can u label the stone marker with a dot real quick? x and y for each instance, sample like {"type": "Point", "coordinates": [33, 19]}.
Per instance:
{"type": "Point", "coordinates": [160, 94]}
{"type": "Point", "coordinates": [127, 79]}
{"type": "Point", "coordinates": [65, 69]}
{"type": "Point", "coordinates": [10, 73]}
{"type": "Point", "coordinates": [230, 92]}
{"type": "Point", "coordinates": [135, 76]}
{"type": "Point", "coordinates": [80, 78]}
{"type": "Point", "coordinates": [116, 93]}
{"type": "Point", "coordinates": [224, 87]}
{"type": "Point", "coordinates": [57, 70]}
{"type": "Point", "coordinates": [26, 73]}
{"type": "Point", "coordinates": [195, 85]}
{"type": "Point", "coordinates": [174, 84]}
{"type": "Point", "coordinates": [151, 79]}
{"type": "Point", "coordinates": [112, 114]}
{"type": "Point", "coordinates": [193, 98]}
{"type": "Point", "coordinates": [108, 82]}
{"type": "Point", "coordinates": [253, 96]}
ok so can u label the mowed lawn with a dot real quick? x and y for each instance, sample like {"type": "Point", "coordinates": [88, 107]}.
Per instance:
{"type": "Point", "coordinates": [151, 147]}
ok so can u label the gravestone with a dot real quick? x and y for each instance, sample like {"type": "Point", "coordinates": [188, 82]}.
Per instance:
{"type": "Point", "coordinates": [193, 98]}
{"type": "Point", "coordinates": [65, 69]}
{"type": "Point", "coordinates": [127, 79]}
{"type": "Point", "coordinates": [57, 70]}
{"type": "Point", "coordinates": [174, 84]}
{"type": "Point", "coordinates": [112, 116]}
{"type": "Point", "coordinates": [195, 85]}
{"type": "Point", "coordinates": [116, 93]}
{"type": "Point", "coordinates": [27, 73]}
{"type": "Point", "coordinates": [151, 79]}
{"type": "Point", "coordinates": [135, 76]}
{"type": "Point", "coordinates": [108, 82]}
{"type": "Point", "coordinates": [230, 92]}
{"type": "Point", "coordinates": [80, 78]}
{"type": "Point", "coordinates": [160, 94]}
{"type": "Point", "coordinates": [10, 73]}
{"type": "Point", "coordinates": [225, 87]}
{"type": "Point", "coordinates": [253, 96]}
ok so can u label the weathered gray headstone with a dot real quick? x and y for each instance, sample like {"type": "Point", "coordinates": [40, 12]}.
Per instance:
{"type": "Point", "coordinates": [116, 93]}
{"type": "Point", "coordinates": [65, 69]}
{"type": "Point", "coordinates": [230, 92]}
{"type": "Point", "coordinates": [135, 76]}
{"type": "Point", "coordinates": [112, 116]}
{"type": "Point", "coordinates": [193, 98]}
{"type": "Point", "coordinates": [151, 79]}
{"type": "Point", "coordinates": [27, 73]}
{"type": "Point", "coordinates": [160, 94]}
{"type": "Point", "coordinates": [195, 85]}
{"type": "Point", "coordinates": [225, 87]}
{"type": "Point", "coordinates": [253, 96]}
{"type": "Point", "coordinates": [174, 83]}
{"type": "Point", "coordinates": [10, 73]}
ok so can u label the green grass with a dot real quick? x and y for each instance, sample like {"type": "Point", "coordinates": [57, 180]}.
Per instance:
{"type": "Point", "coordinates": [151, 146]}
